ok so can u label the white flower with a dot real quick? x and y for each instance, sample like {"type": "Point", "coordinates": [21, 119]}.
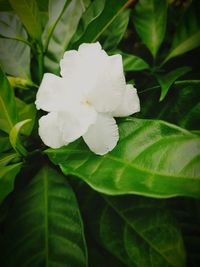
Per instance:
{"type": "Point", "coordinates": [83, 102]}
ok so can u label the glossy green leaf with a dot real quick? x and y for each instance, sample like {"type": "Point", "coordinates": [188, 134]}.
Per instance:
{"type": "Point", "coordinates": [150, 18]}
{"type": "Point", "coordinates": [55, 12]}
{"type": "Point", "coordinates": [116, 30]}
{"type": "Point", "coordinates": [14, 137]}
{"type": "Point", "coordinates": [48, 229]}
{"type": "Point", "coordinates": [63, 32]}
{"type": "Point", "coordinates": [6, 158]}
{"type": "Point", "coordinates": [138, 231]}
{"type": "Point", "coordinates": [152, 158]}
{"type": "Point", "coordinates": [26, 111]}
{"type": "Point", "coordinates": [8, 114]}
{"type": "Point", "coordinates": [133, 63]}
{"type": "Point", "coordinates": [91, 13]}
{"type": "Point", "coordinates": [4, 142]}
{"type": "Point", "coordinates": [7, 178]}
{"type": "Point", "coordinates": [187, 36]}
{"type": "Point", "coordinates": [14, 52]}
{"type": "Point", "coordinates": [181, 106]}
{"type": "Point", "coordinates": [166, 80]}
{"type": "Point", "coordinates": [28, 12]}
{"type": "Point", "coordinates": [100, 21]}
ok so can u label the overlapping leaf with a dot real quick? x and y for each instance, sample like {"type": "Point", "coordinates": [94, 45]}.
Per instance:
{"type": "Point", "coordinates": [48, 229]}
{"type": "Point", "coordinates": [153, 158]}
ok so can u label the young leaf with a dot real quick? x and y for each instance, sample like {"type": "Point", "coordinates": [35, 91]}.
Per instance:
{"type": "Point", "coordinates": [26, 111]}
{"type": "Point", "coordinates": [116, 30]}
{"type": "Point", "coordinates": [138, 231]}
{"type": "Point", "coordinates": [8, 114]}
{"type": "Point", "coordinates": [150, 18]}
{"type": "Point", "coordinates": [153, 158]}
{"type": "Point", "coordinates": [4, 142]}
{"type": "Point", "coordinates": [14, 52]}
{"type": "Point", "coordinates": [98, 25]}
{"type": "Point", "coordinates": [64, 30]}
{"type": "Point", "coordinates": [166, 80]}
{"type": "Point", "coordinates": [7, 177]}
{"type": "Point", "coordinates": [28, 12]}
{"type": "Point", "coordinates": [48, 229]}
{"type": "Point", "coordinates": [133, 63]}
{"type": "Point", "coordinates": [187, 36]}
{"type": "Point", "coordinates": [14, 137]}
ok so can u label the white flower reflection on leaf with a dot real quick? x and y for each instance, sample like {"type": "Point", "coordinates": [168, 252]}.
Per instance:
{"type": "Point", "coordinates": [83, 102]}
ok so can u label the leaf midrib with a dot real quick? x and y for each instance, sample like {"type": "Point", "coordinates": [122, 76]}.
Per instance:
{"type": "Point", "coordinates": [131, 165]}
{"type": "Point", "coordinates": [6, 113]}
{"type": "Point", "coordinates": [135, 229]}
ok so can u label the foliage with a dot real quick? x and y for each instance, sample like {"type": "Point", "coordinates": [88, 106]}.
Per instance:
{"type": "Point", "coordinates": [137, 205]}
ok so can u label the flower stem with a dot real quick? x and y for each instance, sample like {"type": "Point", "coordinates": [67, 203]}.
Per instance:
{"type": "Point", "coordinates": [40, 61]}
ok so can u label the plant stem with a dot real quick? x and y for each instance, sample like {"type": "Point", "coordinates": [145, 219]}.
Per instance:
{"type": "Point", "coordinates": [40, 61]}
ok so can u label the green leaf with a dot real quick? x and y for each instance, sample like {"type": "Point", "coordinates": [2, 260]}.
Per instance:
{"type": "Point", "coordinates": [187, 36]}
{"type": "Point", "coordinates": [55, 12]}
{"type": "Point", "coordinates": [8, 114]}
{"type": "Point", "coordinates": [166, 80]}
{"type": "Point", "coordinates": [6, 158]}
{"type": "Point", "coordinates": [14, 137]}
{"type": "Point", "coordinates": [14, 52]}
{"type": "Point", "coordinates": [100, 21]}
{"type": "Point", "coordinates": [28, 12]}
{"type": "Point", "coordinates": [91, 13]}
{"type": "Point", "coordinates": [152, 158]}
{"type": "Point", "coordinates": [181, 106]}
{"type": "Point", "coordinates": [26, 111]}
{"type": "Point", "coordinates": [7, 177]}
{"type": "Point", "coordinates": [133, 63]}
{"type": "Point", "coordinates": [138, 231]}
{"type": "Point", "coordinates": [116, 30]}
{"type": "Point", "coordinates": [4, 142]}
{"type": "Point", "coordinates": [48, 229]}
{"type": "Point", "coordinates": [150, 18]}
{"type": "Point", "coordinates": [64, 30]}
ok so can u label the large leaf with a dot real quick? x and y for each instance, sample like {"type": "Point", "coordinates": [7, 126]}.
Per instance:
{"type": "Point", "coordinates": [152, 158]}
{"type": "Point", "coordinates": [29, 14]}
{"type": "Point", "coordinates": [14, 52]}
{"type": "Point", "coordinates": [7, 178]}
{"type": "Point", "coordinates": [98, 21]}
{"type": "Point", "coordinates": [8, 114]}
{"type": "Point", "coordinates": [138, 231]}
{"type": "Point", "coordinates": [187, 36]}
{"type": "Point", "coordinates": [116, 30]}
{"type": "Point", "coordinates": [166, 80]}
{"type": "Point", "coordinates": [150, 22]}
{"type": "Point", "coordinates": [63, 32]}
{"type": "Point", "coordinates": [48, 228]}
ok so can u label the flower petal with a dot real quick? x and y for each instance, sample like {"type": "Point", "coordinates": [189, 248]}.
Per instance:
{"type": "Point", "coordinates": [110, 84]}
{"type": "Point", "coordinates": [130, 103]}
{"type": "Point", "coordinates": [49, 131]}
{"type": "Point", "coordinates": [102, 136]}
{"type": "Point", "coordinates": [69, 63]}
{"type": "Point", "coordinates": [75, 124]}
{"type": "Point", "coordinates": [51, 93]}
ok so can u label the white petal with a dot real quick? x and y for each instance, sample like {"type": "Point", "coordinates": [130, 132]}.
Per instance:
{"type": "Point", "coordinates": [89, 48]}
{"type": "Point", "coordinates": [102, 136]}
{"type": "Point", "coordinates": [69, 63]}
{"type": "Point", "coordinates": [75, 124]}
{"type": "Point", "coordinates": [51, 93]}
{"type": "Point", "coordinates": [49, 131]}
{"type": "Point", "coordinates": [110, 84]}
{"type": "Point", "coordinates": [130, 103]}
